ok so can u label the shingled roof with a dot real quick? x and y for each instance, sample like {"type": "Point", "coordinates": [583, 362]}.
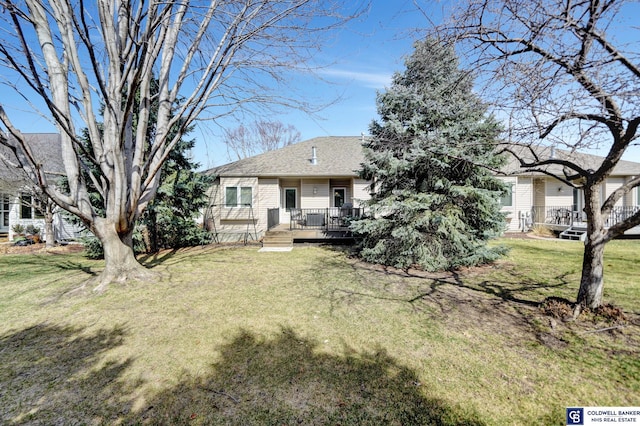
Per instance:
{"type": "Point", "coordinates": [586, 161]}
{"type": "Point", "coordinates": [47, 150]}
{"type": "Point", "coordinates": [343, 155]}
{"type": "Point", "coordinates": [336, 156]}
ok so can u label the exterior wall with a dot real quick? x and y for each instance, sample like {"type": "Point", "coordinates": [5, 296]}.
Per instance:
{"type": "Point", "coordinates": [268, 198]}
{"type": "Point", "coordinates": [539, 185]}
{"type": "Point", "coordinates": [14, 219]}
{"type": "Point", "coordinates": [318, 200]}
{"type": "Point", "coordinates": [232, 224]}
{"type": "Point", "coordinates": [63, 230]}
{"type": "Point", "coordinates": [523, 195]}
{"type": "Point", "coordinates": [558, 193]}
{"type": "Point", "coordinates": [360, 192]}
{"type": "Point", "coordinates": [511, 212]}
{"type": "Point", "coordinates": [611, 184]}
{"type": "Point", "coordinates": [521, 200]}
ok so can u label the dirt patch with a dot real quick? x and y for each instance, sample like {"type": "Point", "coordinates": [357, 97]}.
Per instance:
{"type": "Point", "coordinates": [563, 309]}
{"type": "Point", "coordinates": [41, 248]}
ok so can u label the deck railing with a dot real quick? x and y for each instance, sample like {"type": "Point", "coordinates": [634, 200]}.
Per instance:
{"type": "Point", "coordinates": [273, 217]}
{"type": "Point", "coordinates": [329, 219]}
{"type": "Point", "coordinates": [569, 216]}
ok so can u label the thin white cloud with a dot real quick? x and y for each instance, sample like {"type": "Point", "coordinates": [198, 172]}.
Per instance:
{"type": "Point", "coordinates": [367, 79]}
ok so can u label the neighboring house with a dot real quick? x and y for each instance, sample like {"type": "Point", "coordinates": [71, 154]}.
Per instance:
{"type": "Point", "coordinates": [19, 204]}
{"type": "Point", "coordinates": [314, 186]}
{"type": "Point", "coordinates": [536, 198]}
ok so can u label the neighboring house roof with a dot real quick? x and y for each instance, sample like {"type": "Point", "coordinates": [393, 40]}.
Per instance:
{"type": "Point", "coordinates": [343, 156]}
{"type": "Point", "coordinates": [47, 150]}
{"type": "Point", "coordinates": [336, 156]}
{"type": "Point", "coordinates": [586, 161]}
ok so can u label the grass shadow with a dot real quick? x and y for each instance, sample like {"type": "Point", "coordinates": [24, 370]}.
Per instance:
{"type": "Point", "coordinates": [50, 375]}
{"type": "Point", "coordinates": [287, 380]}
{"type": "Point", "coordinates": [59, 375]}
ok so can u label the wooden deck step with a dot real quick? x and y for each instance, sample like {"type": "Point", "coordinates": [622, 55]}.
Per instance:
{"type": "Point", "coordinates": [277, 239]}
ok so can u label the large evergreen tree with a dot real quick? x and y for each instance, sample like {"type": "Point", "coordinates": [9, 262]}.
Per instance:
{"type": "Point", "coordinates": [435, 202]}
{"type": "Point", "coordinates": [170, 217]}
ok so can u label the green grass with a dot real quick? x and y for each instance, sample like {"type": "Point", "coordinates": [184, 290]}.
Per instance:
{"type": "Point", "coordinates": [233, 336]}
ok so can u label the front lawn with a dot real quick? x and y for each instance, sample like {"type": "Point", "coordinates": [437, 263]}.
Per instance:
{"type": "Point", "coordinates": [313, 337]}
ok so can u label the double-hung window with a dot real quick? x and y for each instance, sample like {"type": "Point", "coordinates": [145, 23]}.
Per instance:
{"type": "Point", "coordinates": [238, 196]}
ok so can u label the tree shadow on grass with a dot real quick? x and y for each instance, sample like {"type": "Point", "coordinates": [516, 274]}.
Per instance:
{"type": "Point", "coordinates": [50, 375]}
{"type": "Point", "coordinates": [513, 286]}
{"type": "Point", "coordinates": [58, 375]}
{"type": "Point", "coordinates": [288, 380]}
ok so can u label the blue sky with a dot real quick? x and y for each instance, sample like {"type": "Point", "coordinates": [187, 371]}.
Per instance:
{"type": "Point", "coordinates": [362, 58]}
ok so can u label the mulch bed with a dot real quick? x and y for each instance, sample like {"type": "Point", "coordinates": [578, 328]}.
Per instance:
{"type": "Point", "coordinates": [41, 248]}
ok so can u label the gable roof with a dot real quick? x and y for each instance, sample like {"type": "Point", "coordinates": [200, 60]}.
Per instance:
{"type": "Point", "coordinates": [47, 150]}
{"type": "Point", "coordinates": [336, 156]}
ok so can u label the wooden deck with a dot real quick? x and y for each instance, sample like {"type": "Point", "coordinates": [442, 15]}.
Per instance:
{"type": "Point", "coordinates": [300, 235]}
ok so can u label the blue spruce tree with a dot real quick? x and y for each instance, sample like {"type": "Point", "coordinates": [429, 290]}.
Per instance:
{"type": "Point", "coordinates": [435, 201]}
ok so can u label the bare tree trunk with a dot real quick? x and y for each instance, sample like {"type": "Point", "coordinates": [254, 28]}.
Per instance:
{"type": "Point", "coordinates": [121, 264]}
{"type": "Point", "coordinates": [592, 280]}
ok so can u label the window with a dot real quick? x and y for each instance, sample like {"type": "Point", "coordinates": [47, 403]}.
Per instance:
{"type": "Point", "coordinates": [290, 198]}
{"type": "Point", "coordinates": [339, 194]}
{"type": "Point", "coordinates": [30, 207]}
{"type": "Point", "coordinates": [238, 196]}
{"type": "Point", "coordinates": [4, 211]}
{"type": "Point", "coordinates": [507, 198]}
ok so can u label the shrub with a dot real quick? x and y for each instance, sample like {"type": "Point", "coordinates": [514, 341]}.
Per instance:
{"type": "Point", "coordinates": [32, 230]}
{"type": "Point", "coordinates": [18, 228]}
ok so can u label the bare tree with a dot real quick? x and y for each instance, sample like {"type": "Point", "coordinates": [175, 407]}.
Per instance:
{"type": "Point", "coordinates": [260, 136]}
{"type": "Point", "coordinates": [555, 70]}
{"type": "Point", "coordinates": [210, 58]}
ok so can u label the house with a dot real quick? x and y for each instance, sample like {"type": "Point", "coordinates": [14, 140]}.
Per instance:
{"type": "Point", "coordinates": [312, 186]}
{"type": "Point", "coordinates": [537, 198]}
{"type": "Point", "coordinates": [19, 203]}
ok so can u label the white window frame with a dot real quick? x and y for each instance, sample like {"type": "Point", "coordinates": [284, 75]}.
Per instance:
{"type": "Point", "coordinates": [333, 193]}
{"type": "Point", "coordinates": [284, 198]}
{"type": "Point", "coordinates": [510, 186]}
{"type": "Point", "coordinates": [5, 211]}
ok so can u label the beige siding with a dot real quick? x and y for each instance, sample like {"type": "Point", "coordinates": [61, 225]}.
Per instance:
{"type": "Point", "coordinates": [234, 223]}
{"type": "Point", "coordinates": [360, 191]}
{"type": "Point", "coordinates": [523, 200]}
{"type": "Point", "coordinates": [558, 194]}
{"type": "Point", "coordinates": [611, 185]}
{"type": "Point", "coordinates": [268, 198]}
{"type": "Point", "coordinates": [318, 200]}
{"type": "Point", "coordinates": [510, 211]}
{"type": "Point", "coordinates": [539, 192]}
